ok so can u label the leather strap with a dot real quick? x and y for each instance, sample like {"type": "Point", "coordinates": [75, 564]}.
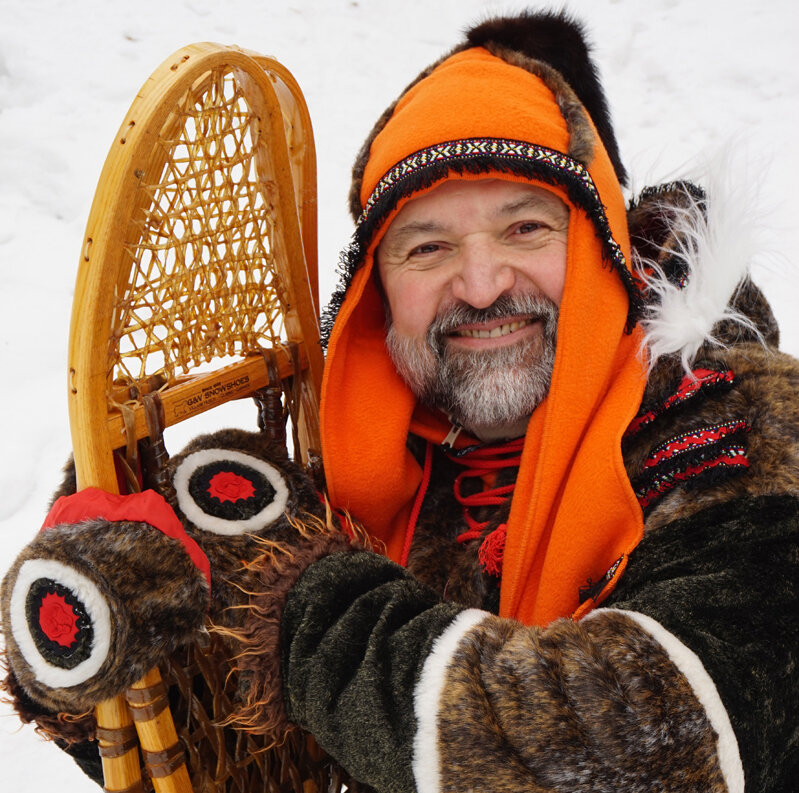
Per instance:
{"type": "Point", "coordinates": [165, 762]}
{"type": "Point", "coordinates": [116, 741]}
{"type": "Point", "coordinates": [147, 703]}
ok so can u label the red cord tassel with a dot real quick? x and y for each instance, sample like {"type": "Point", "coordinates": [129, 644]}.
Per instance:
{"type": "Point", "coordinates": [492, 551]}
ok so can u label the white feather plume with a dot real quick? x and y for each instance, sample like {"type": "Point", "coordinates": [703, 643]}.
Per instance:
{"type": "Point", "coordinates": [716, 247]}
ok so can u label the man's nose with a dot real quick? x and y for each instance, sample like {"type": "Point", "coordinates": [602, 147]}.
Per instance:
{"type": "Point", "coordinates": [484, 275]}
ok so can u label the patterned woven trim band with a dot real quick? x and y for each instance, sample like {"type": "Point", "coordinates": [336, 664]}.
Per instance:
{"type": "Point", "coordinates": [475, 147]}
{"type": "Point", "coordinates": [454, 151]}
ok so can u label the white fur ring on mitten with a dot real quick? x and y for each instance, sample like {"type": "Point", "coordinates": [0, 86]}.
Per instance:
{"type": "Point", "coordinates": [60, 622]}
{"type": "Point", "coordinates": [89, 608]}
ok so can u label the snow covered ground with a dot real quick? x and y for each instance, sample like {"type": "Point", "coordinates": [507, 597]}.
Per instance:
{"type": "Point", "coordinates": [687, 79]}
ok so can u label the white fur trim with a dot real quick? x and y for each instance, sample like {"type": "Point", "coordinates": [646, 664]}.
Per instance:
{"type": "Point", "coordinates": [91, 598]}
{"type": "Point", "coordinates": [427, 695]}
{"type": "Point", "coordinates": [717, 251]}
{"type": "Point", "coordinates": [229, 528]}
{"type": "Point", "coordinates": [705, 689]}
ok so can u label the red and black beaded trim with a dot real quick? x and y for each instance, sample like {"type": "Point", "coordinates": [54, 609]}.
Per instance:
{"type": "Point", "coordinates": [702, 455]}
{"type": "Point", "coordinates": [427, 166]}
{"type": "Point", "coordinates": [688, 441]}
{"type": "Point", "coordinates": [698, 383]}
{"type": "Point", "coordinates": [59, 624]}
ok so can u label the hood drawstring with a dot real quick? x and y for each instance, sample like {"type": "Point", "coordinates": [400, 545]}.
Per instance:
{"type": "Point", "coordinates": [485, 463]}
{"type": "Point", "coordinates": [417, 503]}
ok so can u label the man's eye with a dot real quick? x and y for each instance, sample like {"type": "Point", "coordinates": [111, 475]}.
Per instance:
{"type": "Point", "coordinates": [528, 227]}
{"type": "Point", "coordinates": [421, 250]}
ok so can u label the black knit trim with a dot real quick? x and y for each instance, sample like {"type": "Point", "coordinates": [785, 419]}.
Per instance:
{"type": "Point", "coordinates": [656, 192]}
{"type": "Point", "coordinates": [350, 261]}
{"type": "Point", "coordinates": [424, 168]}
{"type": "Point", "coordinates": [701, 383]}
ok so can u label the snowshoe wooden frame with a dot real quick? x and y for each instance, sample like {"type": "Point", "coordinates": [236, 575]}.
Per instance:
{"type": "Point", "coordinates": [199, 253]}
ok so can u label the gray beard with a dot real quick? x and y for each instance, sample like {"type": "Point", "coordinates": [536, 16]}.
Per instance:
{"type": "Point", "coordinates": [480, 389]}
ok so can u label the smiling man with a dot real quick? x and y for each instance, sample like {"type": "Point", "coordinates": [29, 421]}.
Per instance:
{"type": "Point", "coordinates": [582, 463]}
{"type": "Point", "coordinates": [573, 446]}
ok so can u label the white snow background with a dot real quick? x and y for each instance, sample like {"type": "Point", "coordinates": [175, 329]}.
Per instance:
{"type": "Point", "coordinates": [687, 80]}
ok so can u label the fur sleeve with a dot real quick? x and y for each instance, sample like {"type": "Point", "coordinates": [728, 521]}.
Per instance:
{"type": "Point", "coordinates": [719, 591]}
{"type": "Point", "coordinates": [410, 694]}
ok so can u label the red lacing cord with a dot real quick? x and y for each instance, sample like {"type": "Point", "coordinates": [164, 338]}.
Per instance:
{"type": "Point", "coordinates": [483, 462]}
{"type": "Point", "coordinates": [417, 503]}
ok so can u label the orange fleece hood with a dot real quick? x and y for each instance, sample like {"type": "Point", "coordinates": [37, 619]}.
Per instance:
{"type": "Point", "coordinates": [574, 517]}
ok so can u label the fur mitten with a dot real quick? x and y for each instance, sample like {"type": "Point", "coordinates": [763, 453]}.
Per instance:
{"type": "Point", "coordinates": [116, 583]}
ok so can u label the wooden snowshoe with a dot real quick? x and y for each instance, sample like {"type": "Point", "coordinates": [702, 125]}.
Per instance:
{"type": "Point", "coordinates": [197, 285]}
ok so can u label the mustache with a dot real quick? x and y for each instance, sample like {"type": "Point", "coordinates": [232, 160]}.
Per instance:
{"type": "Point", "coordinates": [527, 306]}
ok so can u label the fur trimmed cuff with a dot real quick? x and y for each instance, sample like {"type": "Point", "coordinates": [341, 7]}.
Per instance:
{"type": "Point", "coordinates": [89, 608]}
{"type": "Point", "coordinates": [277, 570]}
{"type": "Point", "coordinates": [703, 688]}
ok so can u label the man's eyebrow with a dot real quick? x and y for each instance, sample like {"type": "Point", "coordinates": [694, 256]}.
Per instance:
{"type": "Point", "coordinates": [399, 234]}
{"type": "Point", "coordinates": [531, 202]}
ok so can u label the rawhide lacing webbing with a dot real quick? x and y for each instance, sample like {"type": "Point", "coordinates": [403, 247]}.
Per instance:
{"type": "Point", "coordinates": [128, 463]}
{"type": "Point", "coordinates": [136, 787]}
{"type": "Point", "coordinates": [115, 742]}
{"type": "Point", "coordinates": [164, 763]}
{"type": "Point", "coordinates": [203, 283]}
{"type": "Point", "coordinates": [147, 703]}
{"type": "Point", "coordinates": [269, 400]}
{"type": "Point", "coordinates": [154, 453]}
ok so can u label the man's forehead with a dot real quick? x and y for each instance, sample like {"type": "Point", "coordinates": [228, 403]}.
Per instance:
{"type": "Point", "coordinates": [430, 212]}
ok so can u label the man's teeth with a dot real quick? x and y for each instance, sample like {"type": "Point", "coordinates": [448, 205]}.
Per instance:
{"type": "Point", "coordinates": [500, 330]}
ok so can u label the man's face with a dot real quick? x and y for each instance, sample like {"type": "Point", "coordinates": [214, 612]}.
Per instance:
{"type": "Point", "coordinates": [473, 274]}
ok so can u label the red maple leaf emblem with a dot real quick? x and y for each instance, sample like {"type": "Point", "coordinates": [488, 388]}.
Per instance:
{"type": "Point", "coordinates": [58, 620]}
{"type": "Point", "coordinates": [230, 486]}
